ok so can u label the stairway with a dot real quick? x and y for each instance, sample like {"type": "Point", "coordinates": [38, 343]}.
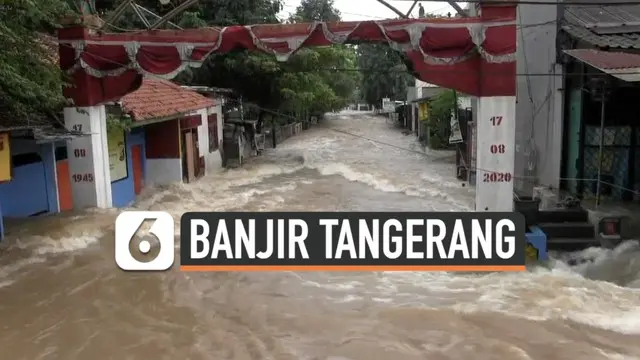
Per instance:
{"type": "Point", "coordinates": [567, 229]}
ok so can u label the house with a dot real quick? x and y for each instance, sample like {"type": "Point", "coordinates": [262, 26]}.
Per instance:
{"type": "Point", "coordinates": [215, 123]}
{"type": "Point", "coordinates": [170, 134]}
{"type": "Point", "coordinates": [601, 43]}
{"type": "Point", "coordinates": [34, 176]}
{"type": "Point", "coordinates": [566, 56]}
{"type": "Point", "coordinates": [418, 97]}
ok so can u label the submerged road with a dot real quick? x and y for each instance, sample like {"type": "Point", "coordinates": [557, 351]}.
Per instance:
{"type": "Point", "coordinates": [62, 297]}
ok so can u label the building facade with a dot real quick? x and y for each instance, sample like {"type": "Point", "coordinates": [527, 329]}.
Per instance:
{"type": "Point", "coordinates": [168, 140]}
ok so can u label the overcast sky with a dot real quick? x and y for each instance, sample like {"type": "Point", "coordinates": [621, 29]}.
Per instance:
{"type": "Point", "coordinates": [354, 10]}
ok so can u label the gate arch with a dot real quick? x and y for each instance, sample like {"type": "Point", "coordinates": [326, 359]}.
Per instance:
{"type": "Point", "coordinates": [473, 55]}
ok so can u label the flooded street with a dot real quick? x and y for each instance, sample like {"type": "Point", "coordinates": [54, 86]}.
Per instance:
{"type": "Point", "coordinates": [62, 296]}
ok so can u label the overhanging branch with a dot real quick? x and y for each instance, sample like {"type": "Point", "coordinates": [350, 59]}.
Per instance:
{"type": "Point", "coordinates": [171, 14]}
{"type": "Point", "coordinates": [117, 13]}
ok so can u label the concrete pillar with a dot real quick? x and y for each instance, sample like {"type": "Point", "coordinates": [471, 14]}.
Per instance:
{"type": "Point", "coordinates": [88, 157]}
{"type": "Point", "coordinates": [495, 149]}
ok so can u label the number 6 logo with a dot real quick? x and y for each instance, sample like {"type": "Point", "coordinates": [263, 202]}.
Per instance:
{"type": "Point", "coordinates": [128, 223]}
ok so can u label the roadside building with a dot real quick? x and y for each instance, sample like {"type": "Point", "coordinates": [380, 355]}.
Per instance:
{"type": "Point", "coordinates": [34, 176]}
{"type": "Point", "coordinates": [158, 134]}
{"type": "Point", "coordinates": [211, 133]}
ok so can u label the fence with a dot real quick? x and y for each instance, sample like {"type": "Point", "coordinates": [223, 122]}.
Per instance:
{"type": "Point", "coordinates": [283, 133]}
{"type": "Point", "coordinates": [618, 152]}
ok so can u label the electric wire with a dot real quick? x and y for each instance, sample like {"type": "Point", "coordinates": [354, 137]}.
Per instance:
{"type": "Point", "coordinates": [533, 2]}
{"type": "Point", "coordinates": [458, 72]}
{"type": "Point", "coordinates": [428, 156]}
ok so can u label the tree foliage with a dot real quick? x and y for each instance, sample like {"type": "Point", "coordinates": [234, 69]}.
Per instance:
{"type": "Point", "coordinates": [304, 84]}
{"type": "Point", "coordinates": [441, 109]}
{"type": "Point", "coordinates": [30, 79]}
{"type": "Point", "coordinates": [385, 73]}
{"type": "Point", "coordinates": [314, 80]}
{"type": "Point", "coordinates": [391, 71]}
{"type": "Point", "coordinates": [315, 10]}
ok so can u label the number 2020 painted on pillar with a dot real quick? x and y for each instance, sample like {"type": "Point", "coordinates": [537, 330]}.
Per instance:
{"type": "Point", "coordinates": [495, 177]}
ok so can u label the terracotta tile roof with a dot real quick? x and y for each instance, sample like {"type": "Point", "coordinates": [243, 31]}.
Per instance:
{"type": "Point", "coordinates": [158, 98]}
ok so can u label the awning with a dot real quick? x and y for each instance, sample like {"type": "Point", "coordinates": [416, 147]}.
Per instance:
{"type": "Point", "coordinates": [45, 135]}
{"type": "Point", "coordinates": [621, 65]}
{"type": "Point", "coordinates": [419, 100]}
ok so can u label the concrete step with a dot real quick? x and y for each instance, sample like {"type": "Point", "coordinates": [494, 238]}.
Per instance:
{"type": "Point", "coordinates": [578, 215]}
{"type": "Point", "coordinates": [568, 230]}
{"type": "Point", "coordinates": [571, 244]}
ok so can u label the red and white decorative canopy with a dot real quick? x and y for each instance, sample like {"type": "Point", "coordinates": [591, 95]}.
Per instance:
{"type": "Point", "coordinates": [474, 55]}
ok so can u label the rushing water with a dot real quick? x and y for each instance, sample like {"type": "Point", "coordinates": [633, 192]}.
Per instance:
{"type": "Point", "coordinates": [62, 297]}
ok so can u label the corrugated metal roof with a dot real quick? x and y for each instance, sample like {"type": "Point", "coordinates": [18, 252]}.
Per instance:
{"type": "Point", "coordinates": [620, 41]}
{"type": "Point", "coordinates": [604, 26]}
{"type": "Point", "coordinates": [622, 65]}
{"type": "Point", "coordinates": [43, 135]}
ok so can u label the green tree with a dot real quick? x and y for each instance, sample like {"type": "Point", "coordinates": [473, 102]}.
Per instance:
{"type": "Point", "coordinates": [385, 73]}
{"type": "Point", "coordinates": [311, 81]}
{"type": "Point", "coordinates": [315, 10]}
{"type": "Point", "coordinates": [320, 79]}
{"type": "Point", "coordinates": [441, 109]}
{"type": "Point", "coordinates": [30, 79]}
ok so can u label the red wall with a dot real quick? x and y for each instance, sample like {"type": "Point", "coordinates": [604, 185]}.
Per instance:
{"type": "Point", "coordinates": [162, 140]}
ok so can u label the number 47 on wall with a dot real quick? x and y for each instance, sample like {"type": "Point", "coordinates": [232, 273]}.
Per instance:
{"type": "Point", "coordinates": [496, 120]}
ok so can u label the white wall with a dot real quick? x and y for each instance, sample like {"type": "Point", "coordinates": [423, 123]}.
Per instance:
{"type": "Point", "coordinates": [164, 171]}
{"type": "Point", "coordinates": [212, 160]}
{"type": "Point", "coordinates": [539, 99]}
{"type": "Point", "coordinates": [420, 84]}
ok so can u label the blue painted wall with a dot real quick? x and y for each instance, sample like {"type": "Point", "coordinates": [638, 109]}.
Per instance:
{"type": "Point", "coordinates": [48, 153]}
{"type": "Point", "coordinates": [122, 191]}
{"type": "Point", "coordinates": [33, 187]}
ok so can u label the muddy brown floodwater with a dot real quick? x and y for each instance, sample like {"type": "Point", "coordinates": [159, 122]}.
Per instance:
{"type": "Point", "coordinates": [62, 296]}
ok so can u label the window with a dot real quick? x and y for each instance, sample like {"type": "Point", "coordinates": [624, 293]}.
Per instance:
{"type": "Point", "coordinates": [213, 132]}
{"type": "Point", "coordinates": [25, 159]}
{"type": "Point", "coordinates": [61, 153]}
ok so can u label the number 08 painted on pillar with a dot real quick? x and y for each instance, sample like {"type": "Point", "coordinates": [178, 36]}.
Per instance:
{"type": "Point", "coordinates": [495, 149]}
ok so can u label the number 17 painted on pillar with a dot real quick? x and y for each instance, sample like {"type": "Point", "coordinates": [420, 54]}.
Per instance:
{"type": "Point", "coordinates": [496, 120]}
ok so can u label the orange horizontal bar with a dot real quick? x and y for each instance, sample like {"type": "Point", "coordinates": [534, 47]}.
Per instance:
{"type": "Point", "coordinates": [469, 268]}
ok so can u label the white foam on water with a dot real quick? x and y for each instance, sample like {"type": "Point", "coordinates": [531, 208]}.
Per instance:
{"type": "Point", "coordinates": [10, 273]}
{"type": "Point", "coordinates": [47, 245]}
{"type": "Point", "coordinates": [616, 356]}
{"type": "Point", "coordinates": [558, 294]}
{"type": "Point", "coordinates": [563, 292]}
